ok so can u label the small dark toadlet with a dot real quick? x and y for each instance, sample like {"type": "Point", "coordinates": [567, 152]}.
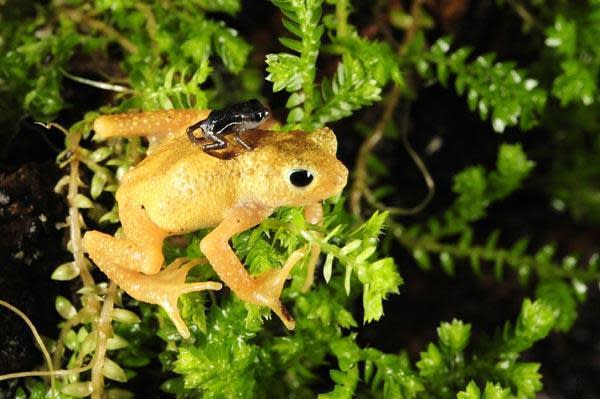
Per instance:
{"type": "Point", "coordinates": [233, 119]}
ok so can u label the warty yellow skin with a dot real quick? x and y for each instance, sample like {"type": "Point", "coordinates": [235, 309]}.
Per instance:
{"type": "Point", "coordinates": [179, 188]}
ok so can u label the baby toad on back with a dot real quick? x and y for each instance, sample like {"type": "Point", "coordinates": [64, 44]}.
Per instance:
{"type": "Point", "coordinates": [179, 188]}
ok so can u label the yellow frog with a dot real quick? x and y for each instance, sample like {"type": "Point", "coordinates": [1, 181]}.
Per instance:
{"type": "Point", "coordinates": [179, 188]}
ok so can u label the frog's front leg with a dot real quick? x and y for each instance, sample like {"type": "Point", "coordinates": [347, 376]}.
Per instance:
{"type": "Point", "coordinates": [313, 214]}
{"type": "Point", "coordinates": [134, 263]}
{"type": "Point", "coordinates": [262, 290]}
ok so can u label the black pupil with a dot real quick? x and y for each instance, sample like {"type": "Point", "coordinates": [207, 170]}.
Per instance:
{"type": "Point", "coordinates": [301, 178]}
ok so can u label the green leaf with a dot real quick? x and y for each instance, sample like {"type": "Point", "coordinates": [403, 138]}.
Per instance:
{"type": "Point", "coordinates": [498, 90]}
{"type": "Point", "coordinates": [232, 49]}
{"type": "Point", "coordinates": [81, 201]}
{"type": "Point", "coordinates": [454, 336]}
{"type": "Point", "coordinates": [227, 6]}
{"type": "Point", "coordinates": [527, 379]}
{"type": "Point", "coordinates": [431, 362]}
{"type": "Point", "coordinates": [65, 308]}
{"type": "Point", "coordinates": [285, 72]}
{"type": "Point", "coordinates": [65, 272]}
{"type": "Point", "coordinates": [447, 262]}
{"type": "Point", "coordinates": [422, 258]}
{"type": "Point", "coordinates": [471, 392]}
{"type": "Point", "coordinates": [77, 389]}
{"type": "Point", "coordinates": [495, 391]}
{"type": "Point", "coordinates": [559, 296]}
{"type": "Point", "coordinates": [98, 183]}
{"type": "Point", "coordinates": [113, 371]}
{"type": "Point", "coordinates": [351, 88]}
{"type": "Point", "coordinates": [535, 322]}
{"type": "Point", "coordinates": [379, 278]}
{"type": "Point", "coordinates": [576, 83]}
{"type": "Point", "coordinates": [562, 36]}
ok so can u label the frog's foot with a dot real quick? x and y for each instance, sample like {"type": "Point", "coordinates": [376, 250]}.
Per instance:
{"type": "Point", "coordinates": [170, 285]}
{"type": "Point", "coordinates": [163, 288]}
{"type": "Point", "coordinates": [268, 286]}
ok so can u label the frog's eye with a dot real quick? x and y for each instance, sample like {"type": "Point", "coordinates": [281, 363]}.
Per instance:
{"type": "Point", "coordinates": [301, 177]}
{"type": "Point", "coordinates": [261, 115]}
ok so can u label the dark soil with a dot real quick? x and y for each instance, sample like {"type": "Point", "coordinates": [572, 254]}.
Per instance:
{"type": "Point", "coordinates": [30, 249]}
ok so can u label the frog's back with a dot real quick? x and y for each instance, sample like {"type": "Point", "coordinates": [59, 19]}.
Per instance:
{"type": "Point", "coordinates": [181, 187]}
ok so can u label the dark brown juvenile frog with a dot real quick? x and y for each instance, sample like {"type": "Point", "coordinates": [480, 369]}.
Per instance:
{"type": "Point", "coordinates": [233, 119]}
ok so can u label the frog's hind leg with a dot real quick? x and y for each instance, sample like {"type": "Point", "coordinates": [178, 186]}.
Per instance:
{"type": "Point", "coordinates": [163, 289]}
{"type": "Point", "coordinates": [217, 142]}
{"type": "Point", "coordinates": [134, 263]}
{"type": "Point", "coordinates": [140, 251]}
{"type": "Point", "coordinates": [240, 141]}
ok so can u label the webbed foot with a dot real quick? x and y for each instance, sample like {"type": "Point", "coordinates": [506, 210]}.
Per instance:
{"type": "Point", "coordinates": [164, 288]}
{"type": "Point", "coordinates": [174, 285]}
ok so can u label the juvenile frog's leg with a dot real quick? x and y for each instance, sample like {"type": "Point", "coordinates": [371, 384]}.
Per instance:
{"type": "Point", "coordinates": [190, 133]}
{"type": "Point", "coordinates": [262, 290]}
{"type": "Point", "coordinates": [217, 142]}
{"type": "Point", "coordinates": [238, 139]}
{"type": "Point", "coordinates": [134, 262]}
{"type": "Point", "coordinates": [313, 214]}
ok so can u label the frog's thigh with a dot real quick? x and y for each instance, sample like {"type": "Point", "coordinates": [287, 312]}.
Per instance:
{"type": "Point", "coordinates": [147, 236]}
{"type": "Point", "coordinates": [141, 250]}
{"type": "Point", "coordinates": [215, 246]}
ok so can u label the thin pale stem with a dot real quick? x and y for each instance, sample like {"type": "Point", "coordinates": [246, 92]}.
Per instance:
{"type": "Point", "coordinates": [38, 340]}
{"type": "Point", "coordinates": [361, 170]}
{"type": "Point", "coordinates": [104, 331]}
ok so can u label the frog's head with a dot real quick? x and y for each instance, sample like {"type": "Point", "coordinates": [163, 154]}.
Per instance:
{"type": "Point", "coordinates": [295, 169]}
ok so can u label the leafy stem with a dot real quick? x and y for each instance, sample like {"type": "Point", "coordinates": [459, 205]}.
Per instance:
{"type": "Point", "coordinates": [103, 28]}
{"type": "Point", "coordinates": [341, 17]}
{"type": "Point", "coordinates": [523, 263]}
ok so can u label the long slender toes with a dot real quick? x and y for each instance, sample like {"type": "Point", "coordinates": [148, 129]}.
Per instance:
{"type": "Point", "coordinates": [275, 279]}
{"type": "Point", "coordinates": [169, 303]}
{"type": "Point", "coordinates": [170, 306]}
{"type": "Point", "coordinates": [271, 283]}
{"type": "Point", "coordinates": [206, 285]}
{"type": "Point", "coordinates": [285, 316]}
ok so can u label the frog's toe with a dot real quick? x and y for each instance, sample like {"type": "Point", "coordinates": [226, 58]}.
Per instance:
{"type": "Point", "coordinates": [178, 269]}
{"type": "Point", "coordinates": [270, 284]}
{"type": "Point", "coordinates": [169, 301]}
